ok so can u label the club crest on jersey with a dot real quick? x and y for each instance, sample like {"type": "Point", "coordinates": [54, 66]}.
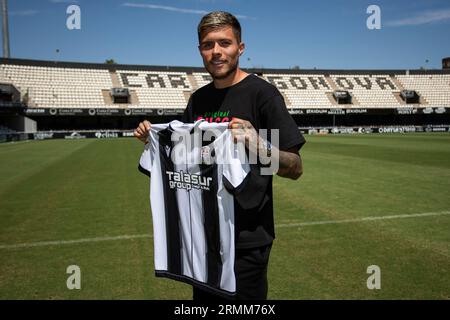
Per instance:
{"type": "Point", "coordinates": [207, 155]}
{"type": "Point", "coordinates": [182, 180]}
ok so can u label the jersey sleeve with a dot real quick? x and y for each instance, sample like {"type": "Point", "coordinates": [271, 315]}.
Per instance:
{"type": "Point", "coordinates": [235, 174]}
{"type": "Point", "coordinates": [145, 162]}
{"type": "Point", "coordinates": [245, 183]}
{"type": "Point", "coordinates": [242, 179]}
{"type": "Point", "coordinates": [236, 167]}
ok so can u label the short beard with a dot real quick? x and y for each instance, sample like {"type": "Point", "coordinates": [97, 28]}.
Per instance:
{"type": "Point", "coordinates": [227, 74]}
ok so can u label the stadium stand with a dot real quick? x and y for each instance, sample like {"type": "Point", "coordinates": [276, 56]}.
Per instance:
{"type": "Point", "coordinates": [201, 79]}
{"type": "Point", "coordinates": [434, 88]}
{"type": "Point", "coordinates": [113, 96]}
{"type": "Point", "coordinates": [61, 84]}
{"type": "Point", "coordinates": [302, 91]}
{"type": "Point", "coordinates": [58, 86]}
{"type": "Point", "coordinates": [369, 91]}
{"type": "Point", "coordinates": [157, 89]}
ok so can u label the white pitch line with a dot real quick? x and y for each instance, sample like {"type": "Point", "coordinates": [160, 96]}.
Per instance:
{"type": "Point", "coordinates": [63, 242]}
{"type": "Point", "coordinates": [289, 225]}
{"type": "Point", "coordinates": [399, 216]}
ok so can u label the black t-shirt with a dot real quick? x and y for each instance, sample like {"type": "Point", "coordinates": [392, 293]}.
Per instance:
{"type": "Point", "coordinates": [257, 101]}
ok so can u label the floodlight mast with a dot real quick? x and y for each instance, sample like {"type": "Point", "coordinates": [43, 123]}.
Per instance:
{"type": "Point", "coordinates": [5, 29]}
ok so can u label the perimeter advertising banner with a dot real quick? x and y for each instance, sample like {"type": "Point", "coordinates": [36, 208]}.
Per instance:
{"type": "Point", "coordinates": [73, 135]}
{"type": "Point", "coordinates": [370, 111]}
{"type": "Point", "coordinates": [101, 112]}
{"type": "Point", "coordinates": [379, 130]}
{"type": "Point", "coordinates": [107, 134]}
{"type": "Point", "coordinates": [175, 112]}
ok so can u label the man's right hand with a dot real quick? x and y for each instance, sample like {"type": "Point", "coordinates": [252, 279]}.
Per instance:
{"type": "Point", "coordinates": [143, 130]}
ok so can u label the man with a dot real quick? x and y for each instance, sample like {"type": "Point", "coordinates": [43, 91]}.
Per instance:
{"type": "Point", "coordinates": [248, 103]}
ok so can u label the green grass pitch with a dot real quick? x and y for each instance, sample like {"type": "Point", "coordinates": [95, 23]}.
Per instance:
{"type": "Point", "coordinates": [84, 203]}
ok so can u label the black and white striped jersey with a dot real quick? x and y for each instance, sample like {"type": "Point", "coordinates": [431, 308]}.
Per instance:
{"type": "Point", "coordinates": [195, 170]}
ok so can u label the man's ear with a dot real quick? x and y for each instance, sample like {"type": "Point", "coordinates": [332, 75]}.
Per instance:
{"type": "Point", "coordinates": [241, 48]}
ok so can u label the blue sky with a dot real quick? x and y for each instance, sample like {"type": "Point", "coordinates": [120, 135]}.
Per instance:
{"type": "Point", "coordinates": [278, 34]}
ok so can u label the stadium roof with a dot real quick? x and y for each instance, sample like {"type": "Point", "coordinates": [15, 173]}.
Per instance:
{"type": "Point", "coordinates": [187, 69]}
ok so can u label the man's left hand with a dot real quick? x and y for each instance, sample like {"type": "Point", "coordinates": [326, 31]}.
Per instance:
{"type": "Point", "coordinates": [289, 162]}
{"type": "Point", "coordinates": [244, 132]}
